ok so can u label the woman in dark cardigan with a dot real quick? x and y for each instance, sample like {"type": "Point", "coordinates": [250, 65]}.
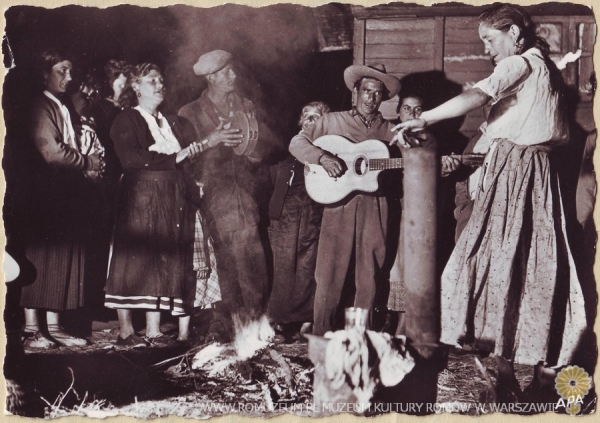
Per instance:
{"type": "Point", "coordinates": [151, 263]}
{"type": "Point", "coordinates": [60, 198]}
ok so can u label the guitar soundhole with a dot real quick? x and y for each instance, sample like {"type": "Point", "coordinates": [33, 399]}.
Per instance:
{"type": "Point", "coordinates": [361, 165]}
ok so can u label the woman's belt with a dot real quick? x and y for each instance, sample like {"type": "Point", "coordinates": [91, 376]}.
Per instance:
{"type": "Point", "coordinates": [152, 175]}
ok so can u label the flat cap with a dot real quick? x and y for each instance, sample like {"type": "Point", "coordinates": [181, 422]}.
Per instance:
{"type": "Point", "coordinates": [211, 62]}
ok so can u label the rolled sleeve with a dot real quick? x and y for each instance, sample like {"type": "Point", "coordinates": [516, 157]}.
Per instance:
{"type": "Point", "coordinates": [506, 79]}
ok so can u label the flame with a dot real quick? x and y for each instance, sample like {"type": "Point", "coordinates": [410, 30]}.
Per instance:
{"type": "Point", "coordinates": [206, 355]}
{"type": "Point", "coordinates": [251, 337]}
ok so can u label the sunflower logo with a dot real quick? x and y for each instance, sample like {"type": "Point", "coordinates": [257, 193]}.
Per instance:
{"type": "Point", "coordinates": [572, 382]}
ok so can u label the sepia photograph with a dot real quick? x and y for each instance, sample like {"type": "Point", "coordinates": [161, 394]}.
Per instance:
{"type": "Point", "coordinates": [215, 210]}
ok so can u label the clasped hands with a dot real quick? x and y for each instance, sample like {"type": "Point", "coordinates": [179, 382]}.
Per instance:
{"type": "Point", "coordinates": [228, 137]}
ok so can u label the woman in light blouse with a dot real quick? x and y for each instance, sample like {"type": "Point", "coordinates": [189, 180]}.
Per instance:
{"type": "Point", "coordinates": [510, 286]}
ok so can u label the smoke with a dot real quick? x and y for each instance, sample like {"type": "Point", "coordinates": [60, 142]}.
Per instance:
{"type": "Point", "coordinates": [275, 50]}
{"type": "Point", "coordinates": [270, 46]}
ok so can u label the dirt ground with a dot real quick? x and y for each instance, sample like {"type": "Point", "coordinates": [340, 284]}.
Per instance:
{"type": "Point", "coordinates": [102, 380]}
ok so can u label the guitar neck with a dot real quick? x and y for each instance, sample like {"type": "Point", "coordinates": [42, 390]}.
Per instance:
{"type": "Point", "coordinates": [385, 164]}
{"type": "Point", "coordinates": [471, 159]}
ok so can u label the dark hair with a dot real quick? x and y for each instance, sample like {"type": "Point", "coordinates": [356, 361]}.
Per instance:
{"type": "Point", "coordinates": [128, 97]}
{"type": "Point", "coordinates": [408, 94]}
{"type": "Point", "coordinates": [319, 105]}
{"type": "Point", "coordinates": [48, 59]}
{"type": "Point", "coordinates": [112, 70]}
{"type": "Point", "coordinates": [503, 16]}
{"type": "Point", "coordinates": [386, 92]}
{"type": "Point", "coordinates": [90, 82]}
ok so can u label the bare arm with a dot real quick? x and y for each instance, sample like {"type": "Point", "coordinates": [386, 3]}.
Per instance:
{"type": "Point", "coordinates": [455, 107]}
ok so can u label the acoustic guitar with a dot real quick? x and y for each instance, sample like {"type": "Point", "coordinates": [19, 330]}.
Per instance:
{"type": "Point", "coordinates": [364, 161]}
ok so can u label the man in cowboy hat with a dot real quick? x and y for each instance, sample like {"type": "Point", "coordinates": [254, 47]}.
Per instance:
{"type": "Point", "coordinates": [357, 227]}
{"type": "Point", "coordinates": [229, 202]}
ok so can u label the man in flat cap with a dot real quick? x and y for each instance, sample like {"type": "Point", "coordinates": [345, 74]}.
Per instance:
{"type": "Point", "coordinates": [229, 199]}
{"type": "Point", "coordinates": [357, 226]}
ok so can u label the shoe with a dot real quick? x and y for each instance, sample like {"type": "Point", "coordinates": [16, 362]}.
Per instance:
{"type": "Point", "coordinates": [132, 341]}
{"type": "Point", "coordinates": [38, 341]}
{"type": "Point", "coordinates": [58, 334]}
{"type": "Point", "coordinates": [64, 339]}
{"type": "Point", "coordinates": [161, 340]}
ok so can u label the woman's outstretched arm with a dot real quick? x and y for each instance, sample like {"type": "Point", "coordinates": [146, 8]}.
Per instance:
{"type": "Point", "coordinates": [460, 105]}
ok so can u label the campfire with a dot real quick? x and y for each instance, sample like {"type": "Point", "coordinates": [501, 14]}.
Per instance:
{"type": "Point", "coordinates": [249, 340]}
{"type": "Point", "coordinates": [276, 377]}
{"type": "Point", "coordinates": [251, 369]}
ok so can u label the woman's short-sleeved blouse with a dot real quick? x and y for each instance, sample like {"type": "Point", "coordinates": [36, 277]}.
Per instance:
{"type": "Point", "coordinates": [525, 109]}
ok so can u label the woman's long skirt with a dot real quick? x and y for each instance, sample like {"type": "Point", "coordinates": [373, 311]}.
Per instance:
{"type": "Point", "coordinates": [151, 263]}
{"type": "Point", "coordinates": [510, 286]}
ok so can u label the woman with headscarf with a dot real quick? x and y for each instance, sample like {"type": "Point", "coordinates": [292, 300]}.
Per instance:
{"type": "Point", "coordinates": [59, 207]}
{"type": "Point", "coordinates": [510, 286]}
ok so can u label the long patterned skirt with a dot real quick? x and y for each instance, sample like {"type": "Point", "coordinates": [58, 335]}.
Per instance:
{"type": "Point", "coordinates": [510, 286]}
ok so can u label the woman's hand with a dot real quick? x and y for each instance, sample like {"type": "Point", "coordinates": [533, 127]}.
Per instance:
{"type": "Point", "coordinates": [96, 166]}
{"type": "Point", "coordinates": [95, 162]}
{"type": "Point", "coordinates": [417, 124]}
{"type": "Point", "coordinates": [203, 273]}
{"type": "Point", "coordinates": [403, 139]}
{"type": "Point", "coordinates": [194, 150]}
{"type": "Point", "coordinates": [191, 151]}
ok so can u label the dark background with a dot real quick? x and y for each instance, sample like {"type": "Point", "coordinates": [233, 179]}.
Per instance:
{"type": "Point", "coordinates": [277, 60]}
{"type": "Point", "coordinates": [275, 48]}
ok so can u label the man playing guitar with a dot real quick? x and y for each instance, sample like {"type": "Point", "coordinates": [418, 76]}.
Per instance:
{"type": "Point", "coordinates": [356, 227]}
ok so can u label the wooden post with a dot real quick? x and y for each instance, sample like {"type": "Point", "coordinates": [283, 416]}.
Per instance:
{"type": "Point", "coordinates": [420, 225]}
